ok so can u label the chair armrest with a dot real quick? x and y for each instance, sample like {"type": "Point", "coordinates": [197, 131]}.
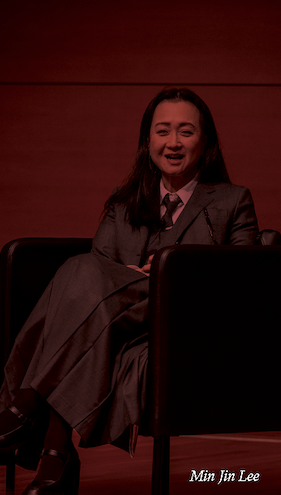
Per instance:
{"type": "Point", "coordinates": [268, 237]}
{"type": "Point", "coordinates": [214, 342]}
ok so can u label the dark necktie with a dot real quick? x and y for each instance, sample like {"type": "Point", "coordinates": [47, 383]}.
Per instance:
{"type": "Point", "coordinates": [167, 220]}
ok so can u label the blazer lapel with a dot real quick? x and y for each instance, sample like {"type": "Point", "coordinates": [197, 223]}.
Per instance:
{"type": "Point", "coordinates": [202, 196]}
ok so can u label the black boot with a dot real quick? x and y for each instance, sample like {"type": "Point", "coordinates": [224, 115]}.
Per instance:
{"type": "Point", "coordinates": [20, 423]}
{"type": "Point", "coordinates": [15, 437]}
{"type": "Point", "coordinates": [68, 481]}
{"type": "Point", "coordinates": [60, 466]}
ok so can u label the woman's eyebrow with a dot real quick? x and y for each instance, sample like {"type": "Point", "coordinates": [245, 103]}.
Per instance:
{"type": "Point", "coordinates": [187, 123]}
{"type": "Point", "coordinates": [162, 123]}
{"type": "Point", "coordinates": [182, 124]}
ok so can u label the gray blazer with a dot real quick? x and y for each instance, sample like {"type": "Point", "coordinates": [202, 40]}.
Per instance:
{"type": "Point", "coordinates": [230, 209]}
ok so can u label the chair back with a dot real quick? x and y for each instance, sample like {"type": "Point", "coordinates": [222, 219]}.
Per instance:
{"type": "Point", "coordinates": [27, 266]}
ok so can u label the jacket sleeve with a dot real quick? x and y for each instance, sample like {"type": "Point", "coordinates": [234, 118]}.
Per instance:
{"type": "Point", "coordinates": [104, 242]}
{"type": "Point", "coordinates": [244, 226]}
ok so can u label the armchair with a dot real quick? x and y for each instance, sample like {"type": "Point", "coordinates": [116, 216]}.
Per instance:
{"type": "Point", "coordinates": [214, 348]}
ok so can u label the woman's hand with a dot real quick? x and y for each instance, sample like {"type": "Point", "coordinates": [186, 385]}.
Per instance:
{"type": "Point", "coordinates": [145, 269]}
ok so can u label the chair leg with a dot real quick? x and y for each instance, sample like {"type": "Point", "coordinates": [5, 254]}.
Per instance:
{"type": "Point", "coordinates": [161, 466]}
{"type": "Point", "coordinates": [10, 476]}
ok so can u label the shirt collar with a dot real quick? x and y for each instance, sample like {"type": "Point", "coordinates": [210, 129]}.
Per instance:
{"type": "Point", "coordinates": [184, 193]}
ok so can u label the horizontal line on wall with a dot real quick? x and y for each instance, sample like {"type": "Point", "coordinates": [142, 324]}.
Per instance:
{"type": "Point", "coordinates": [32, 83]}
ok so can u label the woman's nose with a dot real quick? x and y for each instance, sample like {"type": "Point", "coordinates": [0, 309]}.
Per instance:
{"type": "Point", "coordinates": [173, 140]}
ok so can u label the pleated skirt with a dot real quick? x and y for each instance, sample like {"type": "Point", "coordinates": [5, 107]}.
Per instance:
{"type": "Point", "coordinates": [84, 349]}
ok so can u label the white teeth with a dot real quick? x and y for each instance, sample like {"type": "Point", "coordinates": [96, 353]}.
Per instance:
{"type": "Point", "coordinates": [174, 157]}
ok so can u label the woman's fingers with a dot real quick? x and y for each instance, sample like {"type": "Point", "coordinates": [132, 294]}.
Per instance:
{"type": "Point", "coordinates": [138, 269]}
{"type": "Point", "coordinates": [146, 268]}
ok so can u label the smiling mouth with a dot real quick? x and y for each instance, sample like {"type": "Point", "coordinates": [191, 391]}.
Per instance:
{"type": "Point", "coordinates": [174, 157]}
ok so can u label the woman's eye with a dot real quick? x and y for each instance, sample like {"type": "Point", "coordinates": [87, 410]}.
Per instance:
{"type": "Point", "coordinates": [162, 132]}
{"type": "Point", "coordinates": [187, 133]}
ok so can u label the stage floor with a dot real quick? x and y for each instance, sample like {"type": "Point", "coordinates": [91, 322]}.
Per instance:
{"type": "Point", "coordinates": [107, 470]}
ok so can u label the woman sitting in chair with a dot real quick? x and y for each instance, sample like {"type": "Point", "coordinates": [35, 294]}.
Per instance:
{"type": "Point", "coordinates": [80, 359]}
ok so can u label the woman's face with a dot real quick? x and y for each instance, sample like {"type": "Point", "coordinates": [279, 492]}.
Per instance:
{"type": "Point", "coordinates": [176, 142]}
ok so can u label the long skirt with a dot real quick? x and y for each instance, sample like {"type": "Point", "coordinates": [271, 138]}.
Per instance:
{"type": "Point", "coordinates": [84, 349]}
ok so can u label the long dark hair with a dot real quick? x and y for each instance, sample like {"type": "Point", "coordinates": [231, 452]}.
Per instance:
{"type": "Point", "coordinates": [140, 192]}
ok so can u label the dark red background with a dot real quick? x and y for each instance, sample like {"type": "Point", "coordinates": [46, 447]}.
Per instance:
{"type": "Point", "coordinates": [76, 77]}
